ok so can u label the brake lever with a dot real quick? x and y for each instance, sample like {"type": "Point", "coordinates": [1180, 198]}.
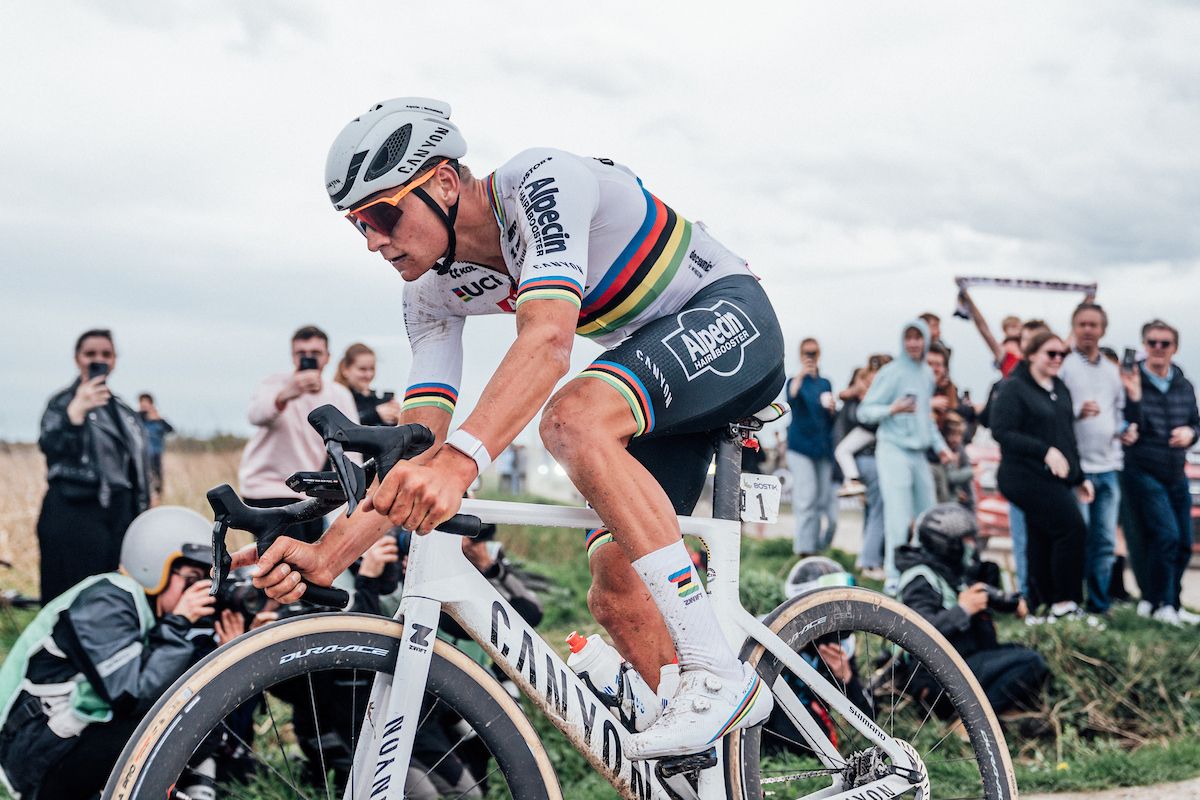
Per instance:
{"type": "Point", "coordinates": [351, 476]}
{"type": "Point", "coordinates": [220, 554]}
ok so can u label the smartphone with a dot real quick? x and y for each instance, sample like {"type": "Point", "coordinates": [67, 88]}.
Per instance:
{"type": "Point", "coordinates": [1129, 359]}
{"type": "Point", "coordinates": [307, 363]}
{"type": "Point", "coordinates": [911, 397]}
{"type": "Point", "coordinates": [389, 397]}
{"type": "Point", "coordinates": [96, 369]}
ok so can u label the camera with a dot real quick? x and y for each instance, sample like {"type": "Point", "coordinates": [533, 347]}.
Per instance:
{"type": "Point", "coordinates": [1001, 601]}
{"type": "Point", "coordinates": [237, 593]}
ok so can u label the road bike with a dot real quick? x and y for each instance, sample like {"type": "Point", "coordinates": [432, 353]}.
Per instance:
{"type": "Point", "coordinates": [418, 705]}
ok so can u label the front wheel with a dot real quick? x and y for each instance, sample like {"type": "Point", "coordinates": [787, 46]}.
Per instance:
{"type": "Point", "coordinates": [277, 713]}
{"type": "Point", "coordinates": [903, 673]}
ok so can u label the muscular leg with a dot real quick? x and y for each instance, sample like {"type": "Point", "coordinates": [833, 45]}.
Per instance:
{"type": "Point", "coordinates": [587, 427]}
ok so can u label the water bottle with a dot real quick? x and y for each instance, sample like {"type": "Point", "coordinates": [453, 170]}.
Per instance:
{"type": "Point", "coordinates": [616, 683]}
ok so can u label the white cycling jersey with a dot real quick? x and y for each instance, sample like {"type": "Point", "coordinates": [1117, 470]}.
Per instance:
{"type": "Point", "coordinates": [581, 230]}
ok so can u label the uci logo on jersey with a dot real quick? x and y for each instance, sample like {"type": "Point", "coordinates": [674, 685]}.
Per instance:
{"type": "Point", "coordinates": [474, 289]}
{"type": "Point", "coordinates": [711, 339]}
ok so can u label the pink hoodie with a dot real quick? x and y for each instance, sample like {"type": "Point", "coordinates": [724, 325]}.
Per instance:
{"type": "Point", "coordinates": [284, 442]}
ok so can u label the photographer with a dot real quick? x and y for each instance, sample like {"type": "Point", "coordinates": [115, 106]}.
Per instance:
{"type": "Point", "coordinates": [80, 677]}
{"type": "Point", "coordinates": [95, 450]}
{"type": "Point", "coordinates": [283, 441]}
{"type": "Point", "coordinates": [944, 581]}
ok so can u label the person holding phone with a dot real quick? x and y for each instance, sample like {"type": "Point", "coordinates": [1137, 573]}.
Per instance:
{"type": "Point", "coordinates": [356, 371]}
{"type": "Point", "coordinates": [283, 441]}
{"type": "Point", "coordinates": [899, 402]}
{"type": "Point", "coordinates": [97, 477]}
{"type": "Point", "coordinates": [810, 453]}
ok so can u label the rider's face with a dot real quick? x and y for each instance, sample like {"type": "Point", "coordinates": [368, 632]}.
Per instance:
{"type": "Point", "coordinates": [418, 238]}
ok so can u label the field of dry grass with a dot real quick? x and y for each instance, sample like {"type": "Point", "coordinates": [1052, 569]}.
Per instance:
{"type": "Point", "coordinates": [188, 475]}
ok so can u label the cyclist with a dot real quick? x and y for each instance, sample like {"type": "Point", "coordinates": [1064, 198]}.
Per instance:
{"type": "Point", "coordinates": [571, 245]}
{"type": "Point", "coordinates": [92, 662]}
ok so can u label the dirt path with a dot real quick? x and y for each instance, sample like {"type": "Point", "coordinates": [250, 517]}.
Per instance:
{"type": "Point", "coordinates": [1186, 790]}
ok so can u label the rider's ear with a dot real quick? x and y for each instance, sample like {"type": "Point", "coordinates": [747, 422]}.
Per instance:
{"type": "Point", "coordinates": [447, 184]}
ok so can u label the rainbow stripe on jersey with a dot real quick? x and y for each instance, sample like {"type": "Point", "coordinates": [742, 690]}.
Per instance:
{"type": "Point", "coordinates": [436, 395]}
{"type": "Point", "coordinates": [640, 273]}
{"type": "Point", "coordinates": [553, 287]}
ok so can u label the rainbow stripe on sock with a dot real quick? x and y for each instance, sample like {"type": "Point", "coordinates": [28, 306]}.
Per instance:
{"type": "Point", "coordinates": [436, 395]}
{"type": "Point", "coordinates": [684, 583]}
{"type": "Point", "coordinates": [596, 538]}
{"type": "Point", "coordinates": [742, 710]}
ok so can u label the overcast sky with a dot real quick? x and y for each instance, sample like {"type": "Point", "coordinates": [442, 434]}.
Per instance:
{"type": "Point", "coordinates": [163, 165]}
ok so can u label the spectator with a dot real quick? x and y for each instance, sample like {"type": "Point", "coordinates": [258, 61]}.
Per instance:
{"type": "Point", "coordinates": [1168, 424]}
{"type": "Point", "coordinates": [1098, 390]}
{"type": "Point", "coordinates": [95, 450]}
{"type": "Point", "coordinates": [954, 482]}
{"type": "Point", "coordinates": [946, 399]}
{"type": "Point", "coordinates": [510, 466]}
{"type": "Point", "coordinates": [157, 429]}
{"type": "Point", "coordinates": [944, 581]}
{"type": "Point", "coordinates": [855, 454]}
{"type": "Point", "coordinates": [356, 371]}
{"type": "Point", "coordinates": [1016, 517]}
{"type": "Point", "coordinates": [810, 453]}
{"type": "Point", "coordinates": [284, 442]}
{"type": "Point", "coordinates": [1005, 354]}
{"type": "Point", "coordinates": [935, 330]}
{"type": "Point", "coordinates": [899, 402]}
{"type": "Point", "coordinates": [1039, 467]}
{"type": "Point", "coordinates": [80, 677]}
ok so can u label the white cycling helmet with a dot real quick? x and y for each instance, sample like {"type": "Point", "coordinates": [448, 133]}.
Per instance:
{"type": "Point", "coordinates": [157, 538]}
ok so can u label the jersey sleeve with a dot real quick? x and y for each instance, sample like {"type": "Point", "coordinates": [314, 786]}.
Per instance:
{"type": "Point", "coordinates": [556, 199]}
{"type": "Point", "coordinates": [436, 342]}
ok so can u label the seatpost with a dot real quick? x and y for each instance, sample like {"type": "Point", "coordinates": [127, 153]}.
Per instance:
{"type": "Point", "coordinates": [727, 480]}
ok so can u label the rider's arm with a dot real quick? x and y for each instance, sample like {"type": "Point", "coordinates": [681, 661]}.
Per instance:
{"type": "Point", "coordinates": [982, 326]}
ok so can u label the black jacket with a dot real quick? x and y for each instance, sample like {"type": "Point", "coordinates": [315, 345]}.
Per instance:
{"type": "Point", "coordinates": [1156, 416]}
{"type": "Point", "coordinates": [969, 635]}
{"type": "Point", "coordinates": [1027, 421]}
{"type": "Point", "coordinates": [101, 640]}
{"type": "Point", "coordinates": [366, 404]}
{"type": "Point", "coordinates": [88, 460]}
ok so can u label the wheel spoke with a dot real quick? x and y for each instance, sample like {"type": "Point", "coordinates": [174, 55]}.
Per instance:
{"type": "Point", "coordinates": [312, 696]}
{"type": "Point", "coordinates": [289, 780]}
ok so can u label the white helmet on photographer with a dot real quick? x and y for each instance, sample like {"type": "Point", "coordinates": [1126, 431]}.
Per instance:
{"type": "Point", "coordinates": [386, 147]}
{"type": "Point", "coordinates": [159, 537]}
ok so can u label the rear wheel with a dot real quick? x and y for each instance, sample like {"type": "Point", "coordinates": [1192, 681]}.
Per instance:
{"type": "Point", "coordinates": [909, 677]}
{"type": "Point", "coordinates": [277, 714]}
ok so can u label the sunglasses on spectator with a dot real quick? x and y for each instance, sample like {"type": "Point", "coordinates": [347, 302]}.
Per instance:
{"type": "Point", "coordinates": [1057, 355]}
{"type": "Point", "coordinates": [1155, 344]}
{"type": "Point", "coordinates": [383, 214]}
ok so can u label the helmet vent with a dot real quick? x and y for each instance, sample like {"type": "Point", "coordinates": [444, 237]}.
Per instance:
{"type": "Point", "coordinates": [390, 153]}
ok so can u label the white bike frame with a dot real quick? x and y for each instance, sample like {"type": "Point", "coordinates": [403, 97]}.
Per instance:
{"type": "Point", "coordinates": [440, 578]}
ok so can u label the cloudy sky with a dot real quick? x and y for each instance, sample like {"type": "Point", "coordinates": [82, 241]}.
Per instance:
{"type": "Point", "coordinates": [163, 167]}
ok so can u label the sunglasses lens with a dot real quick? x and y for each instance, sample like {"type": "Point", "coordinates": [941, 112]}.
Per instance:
{"type": "Point", "coordinates": [380, 216]}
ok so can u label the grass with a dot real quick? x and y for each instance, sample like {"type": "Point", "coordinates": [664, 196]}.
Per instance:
{"type": "Point", "coordinates": [1125, 702]}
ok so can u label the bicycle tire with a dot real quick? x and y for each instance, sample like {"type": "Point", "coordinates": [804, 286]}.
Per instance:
{"type": "Point", "coordinates": [158, 751]}
{"type": "Point", "coordinates": [803, 619]}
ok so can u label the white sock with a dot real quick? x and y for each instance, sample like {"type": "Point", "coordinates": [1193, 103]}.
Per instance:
{"type": "Point", "coordinates": [685, 606]}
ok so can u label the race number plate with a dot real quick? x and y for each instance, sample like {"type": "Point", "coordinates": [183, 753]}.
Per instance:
{"type": "Point", "coordinates": [760, 498]}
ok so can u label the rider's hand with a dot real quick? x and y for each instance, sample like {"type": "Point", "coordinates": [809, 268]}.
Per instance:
{"type": "Point", "coordinates": [389, 412]}
{"type": "Point", "coordinates": [385, 551]}
{"type": "Point", "coordinates": [279, 569]}
{"type": "Point", "coordinates": [1057, 462]}
{"type": "Point", "coordinates": [905, 405]}
{"type": "Point", "coordinates": [90, 394]}
{"type": "Point", "coordinates": [229, 625]}
{"type": "Point", "coordinates": [973, 599]}
{"type": "Point", "coordinates": [196, 603]}
{"type": "Point", "coordinates": [419, 497]}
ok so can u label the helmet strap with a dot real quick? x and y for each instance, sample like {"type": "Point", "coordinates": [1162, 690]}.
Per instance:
{"type": "Point", "coordinates": [447, 218]}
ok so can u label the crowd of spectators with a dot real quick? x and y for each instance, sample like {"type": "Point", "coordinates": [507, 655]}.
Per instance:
{"type": "Point", "coordinates": [1086, 439]}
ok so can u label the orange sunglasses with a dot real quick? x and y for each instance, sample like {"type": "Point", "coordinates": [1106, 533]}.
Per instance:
{"type": "Point", "coordinates": [382, 214]}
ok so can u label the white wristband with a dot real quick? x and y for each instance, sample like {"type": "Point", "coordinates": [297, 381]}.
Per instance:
{"type": "Point", "coordinates": [471, 447]}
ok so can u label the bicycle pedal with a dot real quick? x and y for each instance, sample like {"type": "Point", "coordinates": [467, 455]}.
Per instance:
{"type": "Point", "coordinates": [680, 775]}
